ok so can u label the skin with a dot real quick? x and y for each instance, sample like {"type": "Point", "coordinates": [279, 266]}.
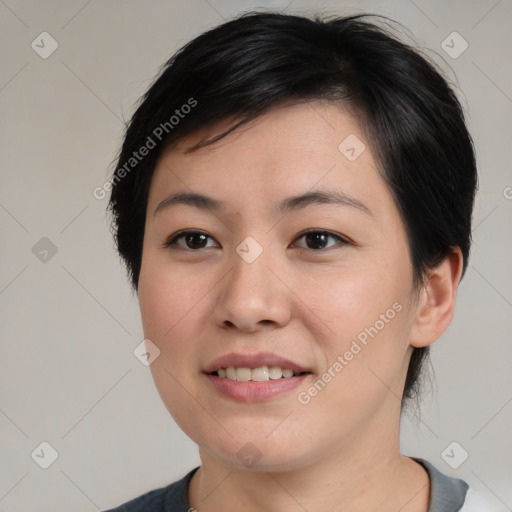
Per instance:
{"type": "Point", "coordinates": [306, 303]}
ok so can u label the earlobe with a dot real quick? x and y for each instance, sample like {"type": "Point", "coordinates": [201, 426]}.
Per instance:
{"type": "Point", "coordinates": [436, 301]}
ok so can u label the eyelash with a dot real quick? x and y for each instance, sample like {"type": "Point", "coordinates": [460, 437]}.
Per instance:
{"type": "Point", "coordinates": [172, 240]}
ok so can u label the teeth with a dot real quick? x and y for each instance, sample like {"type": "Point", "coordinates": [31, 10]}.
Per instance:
{"type": "Point", "coordinates": [275, 372]}
{"type": "Point", "coordinates": [243, 374]}
{"type": "Point", "coordinates": [260, 374]}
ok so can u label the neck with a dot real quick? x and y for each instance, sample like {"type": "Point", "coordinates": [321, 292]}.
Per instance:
{"type": "Point", "coordinates": [376, 477]}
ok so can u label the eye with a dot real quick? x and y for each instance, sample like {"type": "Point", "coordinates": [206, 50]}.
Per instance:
{"type": "Point", "coordinates": [193, 240]}
{"type": "Point", "coordinates": [317, 240]}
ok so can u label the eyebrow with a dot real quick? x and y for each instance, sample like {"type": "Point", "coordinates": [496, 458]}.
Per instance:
{"type": "Point", "coordinates": [286, 206]}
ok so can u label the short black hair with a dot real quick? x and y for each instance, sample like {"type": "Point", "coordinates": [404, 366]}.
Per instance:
{"type": "Point", "coordinates": [240, 69]}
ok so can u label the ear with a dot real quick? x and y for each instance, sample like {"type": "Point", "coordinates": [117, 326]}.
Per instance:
{"type": "Point", "coordinates": [436, 301]}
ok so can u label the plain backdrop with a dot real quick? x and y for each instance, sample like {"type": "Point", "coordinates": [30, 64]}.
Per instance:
{"type": "Point", "coordinates": [69, 321]}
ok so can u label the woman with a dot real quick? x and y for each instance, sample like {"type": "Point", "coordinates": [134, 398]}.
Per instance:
{"type": "Point", "coordinates": [293, 202]}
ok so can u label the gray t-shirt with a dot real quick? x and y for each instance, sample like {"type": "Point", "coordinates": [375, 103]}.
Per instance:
{"type": "Point", "coordinates": [447, 494]}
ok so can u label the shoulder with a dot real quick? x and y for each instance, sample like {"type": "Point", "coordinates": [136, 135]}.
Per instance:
{"type": "Point", "coordinates": [172, 498]}
{"type": "Point", "coordinates": [449, 493]}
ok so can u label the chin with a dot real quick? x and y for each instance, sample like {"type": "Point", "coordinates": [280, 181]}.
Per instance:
{"type": "Point", "coordinates": [257, 452]}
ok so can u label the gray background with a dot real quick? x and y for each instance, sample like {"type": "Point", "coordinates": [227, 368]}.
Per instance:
{"type": "Point", "coordinates": [70, 324]}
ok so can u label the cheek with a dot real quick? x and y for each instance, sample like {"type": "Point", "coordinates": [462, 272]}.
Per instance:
{"type": "Point", "coordinates": [169, 303]}
{"type": "Point", "coordinates": [170, 320]}
{"type": "Point", "coordinates": [352, 298]}
{"type": "Point", "coordinates": [366, 310]}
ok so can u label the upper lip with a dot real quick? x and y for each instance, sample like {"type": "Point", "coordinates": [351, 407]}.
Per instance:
{"type": "Point", "coordinates": [252, 361]}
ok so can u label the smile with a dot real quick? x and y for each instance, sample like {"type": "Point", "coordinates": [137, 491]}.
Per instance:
{"type": "Point", "coordinates": [259, 374]}
{"type": "Point", "coordinates": [254, 377]}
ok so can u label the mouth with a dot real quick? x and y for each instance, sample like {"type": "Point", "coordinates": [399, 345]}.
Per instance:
{"type": "Point", "coordinates": [259, 374]}
{"type": "Point", "coordinates": [257, 367]}
{"type": "Point", "coordinates": [254, 377]}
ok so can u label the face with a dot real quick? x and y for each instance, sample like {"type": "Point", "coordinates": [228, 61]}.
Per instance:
{"type": "Point", "coordinates": [263, 284]}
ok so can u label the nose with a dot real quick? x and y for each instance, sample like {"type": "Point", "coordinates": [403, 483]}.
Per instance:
{"type": "Point", "coordinates": [252, 296]}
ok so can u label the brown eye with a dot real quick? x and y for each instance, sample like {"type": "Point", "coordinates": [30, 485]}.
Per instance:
{"type": "Point", "coordinates": [193, 240]}
{"type": "Point", "coordinates": [318, 240]}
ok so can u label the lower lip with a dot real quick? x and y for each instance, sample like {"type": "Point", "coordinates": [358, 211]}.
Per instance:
{"type": "Point", "coordinates": [254, 391]}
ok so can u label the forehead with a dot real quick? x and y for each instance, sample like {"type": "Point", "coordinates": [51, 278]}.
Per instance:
{"type": "Point", "coordinates": [288, 150]}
